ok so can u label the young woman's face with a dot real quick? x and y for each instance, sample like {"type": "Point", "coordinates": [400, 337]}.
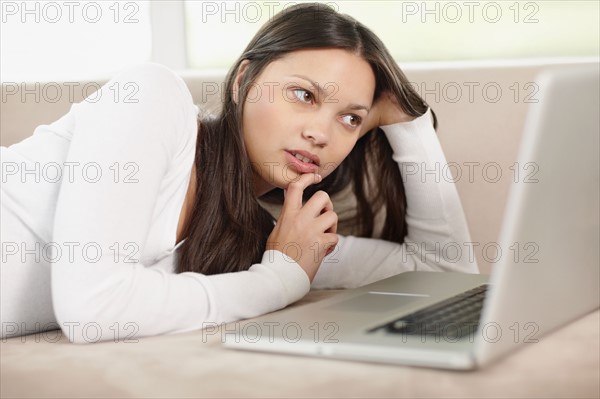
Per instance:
{"type": "Point", "coordinates": [303, 114]}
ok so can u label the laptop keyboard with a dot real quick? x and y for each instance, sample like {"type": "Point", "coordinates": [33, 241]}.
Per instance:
{"type": "Point", "coordinates": [454, 317]}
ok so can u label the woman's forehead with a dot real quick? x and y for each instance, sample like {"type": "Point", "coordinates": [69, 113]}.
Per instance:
{"type": "Point", "coordinates": [338, 71]}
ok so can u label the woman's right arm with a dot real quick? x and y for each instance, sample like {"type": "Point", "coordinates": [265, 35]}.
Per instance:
{"type": "Point", "coordinates": [101, 289]}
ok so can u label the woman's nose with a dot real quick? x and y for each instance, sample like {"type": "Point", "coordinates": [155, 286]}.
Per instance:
{"type": "Point", "coordinates": [317, 132]}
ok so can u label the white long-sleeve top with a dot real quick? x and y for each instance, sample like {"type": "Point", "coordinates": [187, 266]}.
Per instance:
{"type": "Point", "coordinates": [106, 225]}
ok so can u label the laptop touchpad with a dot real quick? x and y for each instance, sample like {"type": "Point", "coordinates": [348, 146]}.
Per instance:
{"type": "Point", "coordinates": [374, 303]}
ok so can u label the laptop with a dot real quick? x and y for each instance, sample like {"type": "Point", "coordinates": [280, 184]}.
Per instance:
{"type": "Point", "coordinates": [465, 321]}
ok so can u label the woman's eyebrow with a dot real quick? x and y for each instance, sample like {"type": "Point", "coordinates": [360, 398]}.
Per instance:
{"type": "Point", "coordinates": [321, 93]}
{"type": "Point", "coordinates": [358, 107]}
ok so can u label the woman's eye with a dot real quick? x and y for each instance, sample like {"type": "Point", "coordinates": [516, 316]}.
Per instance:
{"type": "Point", "coordinates": [352, 120]}
{"type": "Point", "coordinates": [303, 95]}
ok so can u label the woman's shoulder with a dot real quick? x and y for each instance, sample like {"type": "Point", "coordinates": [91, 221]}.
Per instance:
{"type": "Point", "coordinates": [151, 70]}
{"type": "Point", "coordinates": [150, 79]}
{"type": "Point", "coordinates": [147, 102]}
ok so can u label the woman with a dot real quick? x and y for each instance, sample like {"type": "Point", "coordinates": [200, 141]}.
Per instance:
{"type": "Point", "coordinates": [159, 228]}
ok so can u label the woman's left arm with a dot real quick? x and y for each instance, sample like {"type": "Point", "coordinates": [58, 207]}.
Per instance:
{"type": "Point", "coordinates": [437, 238]}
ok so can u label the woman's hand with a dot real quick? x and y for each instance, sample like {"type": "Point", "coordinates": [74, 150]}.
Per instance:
{"type": "Point", "coordinates": [385, 111]}
{"type": "Point", "coordinates": [305, 233]}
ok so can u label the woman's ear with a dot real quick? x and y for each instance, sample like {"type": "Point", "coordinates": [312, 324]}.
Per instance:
{"type": "Point", "coordinates": [238, 79]}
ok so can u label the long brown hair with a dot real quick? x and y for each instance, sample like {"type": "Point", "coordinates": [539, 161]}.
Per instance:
{"type": "Point", "coordinates": [228, 228]}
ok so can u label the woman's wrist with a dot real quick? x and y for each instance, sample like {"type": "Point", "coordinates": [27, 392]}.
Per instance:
{"type": "Point", "coordinates": [398, 117]}
{"type": "Point", "coordinates": [385, 111]}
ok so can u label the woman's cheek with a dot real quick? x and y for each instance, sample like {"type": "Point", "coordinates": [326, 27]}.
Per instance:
{"type": "Point", "coordinates": [342, 154]}
{"type": "Point", "coordinates": [267, 112]}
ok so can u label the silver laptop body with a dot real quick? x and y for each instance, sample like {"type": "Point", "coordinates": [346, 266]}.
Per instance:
{"type": "Point", "coordinates": [527, 297]}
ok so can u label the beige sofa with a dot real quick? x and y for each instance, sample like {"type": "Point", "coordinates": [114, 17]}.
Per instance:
{"type": "Point", "coordinates": [481, 109]}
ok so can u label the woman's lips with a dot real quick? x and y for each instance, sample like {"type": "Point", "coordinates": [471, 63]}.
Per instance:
{"type": "Point", "coordinates": [306, 154]}
{"type": "Point", "coordinates": [300, 166]}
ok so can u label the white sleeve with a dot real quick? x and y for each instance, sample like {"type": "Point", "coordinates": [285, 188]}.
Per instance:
{"type": "Point", "coordinates": [141, 116]}
{"type": "Point", "coordinates": [437, 238]}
